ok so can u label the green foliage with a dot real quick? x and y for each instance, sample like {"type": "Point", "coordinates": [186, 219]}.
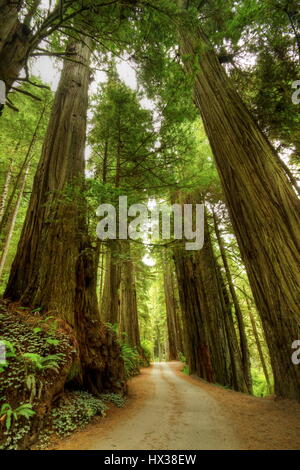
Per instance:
{"type": "Point", "coordinates": [75, 411]}
{"type": "Point", "coordinates": [9, 413]}
{"type": "Point", "coordinates": [156, 151]}
{"type": "Point", "coordinates": [10, 348]}
{"type": "Point", "coordinates": [182, 357]}
{"type": "Point", "coordinates": [55, 342]}
{"type": "Point", "coordinates": [260, 388]}
{"type": "Point", "coordinates": [20, 150]}
{"type": "Point", "coordinates": [186, 370]}
{"type": "Point", "coordinates": [35, 387]}
{"type": "Point", "coordinates": [152, 318]}
{"type": "Point", "coordinates": [147, 347]}
{"type": "Point", "coordinates": [114, 398]}
{"type": "Point", "coordinates": [114, 328]}
{"type": "Point", "coordinates": [10, 351]}
{"type": "Point", "coordinates": [33, 366]}
{"type": "Point", "coordinates": [131, 359]}
{"type": "Point", "coordinates": [43, 363]}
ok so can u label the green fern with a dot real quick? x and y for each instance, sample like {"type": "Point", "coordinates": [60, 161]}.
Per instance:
{"type": "Point", "coordinates": [131, 359]}
{"type": "Point", "coordinates": [41, 363]}
{"type": "Point", "coordinates": [7, 412]}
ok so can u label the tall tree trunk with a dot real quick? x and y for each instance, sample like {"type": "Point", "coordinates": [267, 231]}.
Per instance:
{"type": "Point", "coordinates": [238, 312]}
{"type": "Point", "coordinates": [12, 223]}
{"type": "Point", "coordinates": [178, 316]}
{"type": "Point", "coordinates": [111, 290]}
{"type": "Point", "coordinates": [55, 264]}
{"type": "Point", "coordinates": [212, 350]}
{"type": "Point", "coordinates": [292, 178]}
{"type": "Point", "coordinates": [128, 302]}
{"type": "Point", "coordinates": [102, 268]}
{"type": "Point", "coordinates": [173, 324]}
{"type": "Point", "coordinates": [238, 376]}
{"type": "Point", "coordinates": [105, 160]}
{"type": "Point", "coordinates": [263, 206]}
{"type": "Point", "coordinates": [170, 308]}
{"type": "Point", "coordinates": [258, 345]}
{"type": "Point", "coordinates": [110, 302]}
{"type": "Point", "coordinates": [158, 344]}
{"type": "Point", "coordinates": [195, 328]}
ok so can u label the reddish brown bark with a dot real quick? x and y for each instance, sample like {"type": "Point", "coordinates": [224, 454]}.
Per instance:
{"type": "Point", "coordinates": [238, 312]}
{"type": "Point", "coordinates": [211, 343]}
{"type": "Point", "coordinates": [173, 321]}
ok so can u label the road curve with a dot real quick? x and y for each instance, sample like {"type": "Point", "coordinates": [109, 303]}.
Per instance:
{"type": "Point", "coordinates": [174, 414]}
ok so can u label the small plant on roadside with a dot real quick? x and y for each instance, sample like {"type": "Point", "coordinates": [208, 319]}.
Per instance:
{"type": "Point", "coordinates": [181, 357]}
{"type": "Point", "coordinates": [75, 412]}
{"type": "Point", "coordinates": [114, 398]}
{"type": "Point", "coordinates": [147, 349]}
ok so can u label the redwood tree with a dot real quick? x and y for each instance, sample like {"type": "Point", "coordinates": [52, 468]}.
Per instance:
{"type": "Point", "coordinates": [263, 206]}
{"type": "Point", "coordinates": [54, 267]}
{"type": "Point", "coordinates": [211, 343]}
{"type": "Point", "coordinates": [238, 312]}
{"type": "Point", "coordinates": [128, 314]}
{"type": "Point", "coordinates": [173, 321]}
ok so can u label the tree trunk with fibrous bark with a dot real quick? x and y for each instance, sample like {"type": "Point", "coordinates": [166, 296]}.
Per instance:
{"type": "Point", "coordinates": [264, 209]}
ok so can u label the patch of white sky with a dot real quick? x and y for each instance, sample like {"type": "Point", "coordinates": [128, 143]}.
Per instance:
{"type": "Point", "coordinates": [48, 69]}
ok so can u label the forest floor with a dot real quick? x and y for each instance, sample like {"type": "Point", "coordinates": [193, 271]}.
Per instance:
{"type": "Point", "coordinates": [169, 410]}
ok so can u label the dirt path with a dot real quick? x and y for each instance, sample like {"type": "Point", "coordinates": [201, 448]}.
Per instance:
{"type": "Point", "coordinates": [164, 412]}
{"type": "Point", "coordinates": [169, 410]}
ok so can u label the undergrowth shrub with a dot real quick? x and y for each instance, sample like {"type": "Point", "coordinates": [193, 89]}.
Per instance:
{"type": "Point", "coordinates": [182, 357]}
{"type": "Point", "coordinates": [260, 388]}
{"type": "Point", "coordinates": [147, 350]}
{"type": "Point", "coordinates": [75, 411]}
{"type": "Point", "coordinates": [186, 369]}
{"type": "Point", "coordinates": [130, 355]}
{"type": "Point", "coordinates": [114, 398]}
{"type": "Point", "coordinates": [131, 359]}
